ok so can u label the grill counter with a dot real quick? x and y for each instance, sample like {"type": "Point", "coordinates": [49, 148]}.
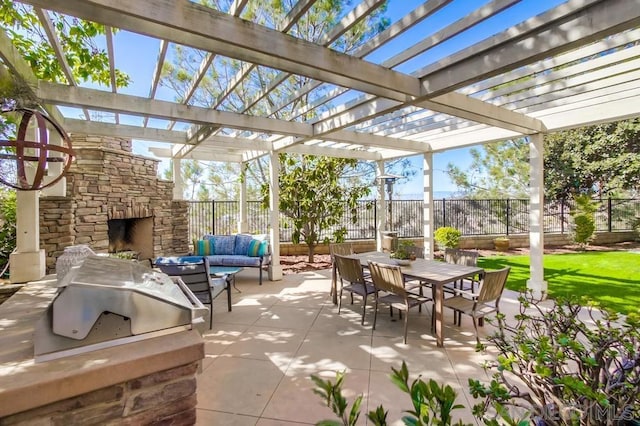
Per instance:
{"type": "Point", "coordinates": [106, 302]}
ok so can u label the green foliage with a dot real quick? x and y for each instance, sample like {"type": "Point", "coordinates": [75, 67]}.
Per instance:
{"type": "Point", "coordinates": [602, 158]}
{"type": "Point", "coordinates": [636, 227]}
{"type": "Point", "coordinates": [584, 221]}
{"type": "Point", "coordinates": [563, 364]}
{"type": "Point", "coordinates": [7, 225]}
{"type": "Point", "coordinates": [78, 39]}
{"type": "Point", "coordinates": [405, 250]}
{"type": "Point", "coordinates": [447, 236]}
{"type": "Point", "coordinates": [431, 403]}
{"type": "Point", "coordinates": [314, 196]}
{"type": "Point", "coordinates": [497, 170]}
{"type": "Point", "coordinates": [332, 394]}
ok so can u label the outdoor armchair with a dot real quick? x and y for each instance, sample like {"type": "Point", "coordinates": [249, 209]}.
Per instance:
{"type": "Point", "coordinates": [196, 276]}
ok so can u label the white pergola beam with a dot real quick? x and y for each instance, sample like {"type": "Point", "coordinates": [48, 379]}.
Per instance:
{"type": "Point", "coordinates": [563, 28]}
{"type": "Point", "coordinates": [203, 28]}
{"type": "Point", "coordinates": [334, 152]}
{"type": "Point", "coordinates": [135, 105]}
{"type": "Point", "coordinates": [73, 125]}
{"type": "Point", "coordinates": [157, 72]}
{"type": "Point", "coordinates": [47, 25]}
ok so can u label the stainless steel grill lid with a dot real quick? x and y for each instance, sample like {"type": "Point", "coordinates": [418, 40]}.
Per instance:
{"type": "Point", "coordinates": [107, 299]}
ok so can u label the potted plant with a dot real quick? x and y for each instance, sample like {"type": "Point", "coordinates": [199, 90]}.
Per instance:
{"type": "Point", "coordinates": [501, 243]}
{"type": "Point", "coordinates": [404, 253]}
{"type": "Point", "coordinates": [447, 237]}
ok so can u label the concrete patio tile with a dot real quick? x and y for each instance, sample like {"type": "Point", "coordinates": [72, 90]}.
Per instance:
{"type": "Point", "coordinates": [266, 343]}
{"type": "Point", "coordinates": [238, 385]}
{"type": "Point", "coordinates": [345, 324]}
{"type": "Point", "coordinates": [218, 340]}
{"type": "Point", "coordinates": [283, 316]}
{"type": "Point", "coordinates": [328, 352]}
{"type": "Point", "coordinates": [426, 359]}
{"type": "Point", "coordinates": [209, 417]}
{"type": "Point", "coordinates": [294, 399]}
{"type": "Point", "coordinates": [272, 422]}
{"type": "Point", "coordinates": [260, 357]}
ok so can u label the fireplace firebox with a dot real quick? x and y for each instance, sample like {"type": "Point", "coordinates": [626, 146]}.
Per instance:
{"type": "Point", "coordinates": [135, 234]}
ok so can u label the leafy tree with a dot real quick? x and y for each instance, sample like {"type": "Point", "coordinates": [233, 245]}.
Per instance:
{"type": "Point", "coordinates": [313, 195]}
{"type": "Point", "coordinates": [7, 225]}
{"type": "Point", "coordinates": [497, 170]}
{"type": "Point", "coordinates": [77, 37]}
{"type": "Point", "coordinates": [602, 159]}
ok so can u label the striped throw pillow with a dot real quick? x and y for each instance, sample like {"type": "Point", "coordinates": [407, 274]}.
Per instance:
{"type": "Point", "coordinates": [203, 247]}
{"type": "Point", "coordinates": [257, 248]}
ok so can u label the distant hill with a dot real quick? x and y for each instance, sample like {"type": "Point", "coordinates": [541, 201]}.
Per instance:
{"type": "Point", "coordinates": [436, 195]}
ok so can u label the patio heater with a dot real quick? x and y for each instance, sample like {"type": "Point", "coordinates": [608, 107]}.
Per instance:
{"type": "Point", "coordinates": [389, 237]}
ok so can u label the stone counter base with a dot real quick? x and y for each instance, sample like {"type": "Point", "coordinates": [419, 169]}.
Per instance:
{"type": "Point", "coordinates": [165, 397]}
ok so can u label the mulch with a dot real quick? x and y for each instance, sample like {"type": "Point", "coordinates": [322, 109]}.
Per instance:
{"type": "Point", "coordinates": [297, 264]}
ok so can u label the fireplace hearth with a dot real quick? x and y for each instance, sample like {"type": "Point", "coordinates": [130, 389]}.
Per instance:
{"type": "Point", "coordinates": [114, 202]}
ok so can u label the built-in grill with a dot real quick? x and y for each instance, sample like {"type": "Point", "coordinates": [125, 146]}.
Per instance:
{"type": "Point", "coordinates": [107, 302]}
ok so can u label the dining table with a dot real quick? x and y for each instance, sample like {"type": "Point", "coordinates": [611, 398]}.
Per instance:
{"type": "Point", "coordinates": [433, 273]}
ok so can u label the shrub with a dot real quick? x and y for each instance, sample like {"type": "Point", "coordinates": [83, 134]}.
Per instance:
{"type": "Point", "coordinates": [564, 365]}
{"type": "Point", "coordinates": [584, 222]}
{"type": "Point", "coordinates": [558, 365]}
{"type": "Point", "coordinates": [447, 237]}
{"type": "Point", "coordinates": [432, 403]}
{"type": "Point", "coordinates": [7, 225]}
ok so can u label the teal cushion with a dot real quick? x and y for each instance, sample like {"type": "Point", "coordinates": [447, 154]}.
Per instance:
{"type": "Point", "coordinates": [257, 248]}
{"type": "Point", "coordinates": [203, 247]}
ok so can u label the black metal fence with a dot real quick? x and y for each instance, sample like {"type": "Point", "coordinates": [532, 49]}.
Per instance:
{"type": "Point", "coordinates": [472, 217]}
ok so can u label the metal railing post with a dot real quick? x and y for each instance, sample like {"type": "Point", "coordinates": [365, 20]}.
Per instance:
{"type": "Point", "coordinates": [609, 214]}
{"type": "Point", "coordinates": [213, 217]}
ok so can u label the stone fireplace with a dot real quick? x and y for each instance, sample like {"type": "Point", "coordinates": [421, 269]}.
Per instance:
{"type": "Point", "coordinates": [115, 202]}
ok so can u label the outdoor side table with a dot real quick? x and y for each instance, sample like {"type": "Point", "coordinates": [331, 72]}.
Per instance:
{"type": "Point", "coordinates": [228, 274]}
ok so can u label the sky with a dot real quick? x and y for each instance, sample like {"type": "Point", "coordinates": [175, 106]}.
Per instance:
{"type": "Point", "coordinates": [136, 55]}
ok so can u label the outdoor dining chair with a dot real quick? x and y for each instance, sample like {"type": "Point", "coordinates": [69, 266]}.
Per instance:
{"type": "Point", "coordinates": [485, 301]}
{"type": "Point", "coordinates": [350, 270]}
{"type": "Point", "coordinates": [461, 257]}
{"type": "Point", "coordinates": [342, 249]}
{"type": "Point", "coordinates": [389, 284]}
{"type": "Point", "coordinates": [197, 277]}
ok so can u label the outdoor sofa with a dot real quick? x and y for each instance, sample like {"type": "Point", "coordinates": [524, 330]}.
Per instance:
{"type": "Point", "coordinates": [239, 250]}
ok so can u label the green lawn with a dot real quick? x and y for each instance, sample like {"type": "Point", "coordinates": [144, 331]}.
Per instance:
{"type": "Point", "coordinates": [611, 278]}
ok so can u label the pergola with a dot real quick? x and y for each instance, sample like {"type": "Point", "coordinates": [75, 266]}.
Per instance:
{"type": "Point", "coordinates": [574, 64]}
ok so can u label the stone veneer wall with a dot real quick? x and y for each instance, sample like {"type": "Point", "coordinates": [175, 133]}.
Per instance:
{"type": "Point", "coordinates": [166, 397]}
{"type": "Point", "coordinates": [107, 179]}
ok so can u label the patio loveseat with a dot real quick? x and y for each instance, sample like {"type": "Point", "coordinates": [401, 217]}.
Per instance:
{"type": "Point", "coordinates": [240, 250]}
